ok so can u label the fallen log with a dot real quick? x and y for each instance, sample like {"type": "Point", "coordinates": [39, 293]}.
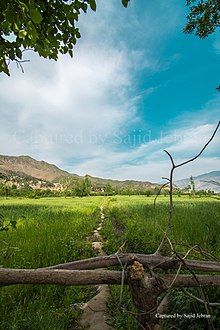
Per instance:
{"type": "Point", "coordinates": [155, 261]}
{"type": "Point", "coordinates": [10, 276]}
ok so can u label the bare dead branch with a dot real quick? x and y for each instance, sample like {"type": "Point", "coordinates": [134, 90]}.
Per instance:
{"type": "Point", "coordinates": [188, 281]}
{"type": "Point", "coordinates": [203, 293]}
{"type": "Point", "coordinates": [19, 62]}
{"type": "Point", "coordinates": [123, 267]}
{"type": "Point", "coordinates": [156, 261]}
{"type": "Point", "coordinates": [171, 157]}
{"type": "Point", "coordinates": [205, 146]}
{"type": "Point", "coordinates": [192, 296]}
{"type": "Point", "coordinates": [164, 302]}
{"type": "Point", "coordinates": [201, 251]}
{"type": "Point", "coordinates": [171, 185]}
{"type": "Point", "coordinates": [164, 178]}
{"type": "Point", "coordinates": [158, 193]}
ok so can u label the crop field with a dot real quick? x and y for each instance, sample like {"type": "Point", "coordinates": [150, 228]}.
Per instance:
{"type": "Point", "coordinates": [135, 221]}
{"type": "Point", "coordinates": [57, 230]}
{"type": "Point", "coordinates": [48, 232]}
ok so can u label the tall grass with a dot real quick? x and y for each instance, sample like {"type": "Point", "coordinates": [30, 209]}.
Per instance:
{"type": "Point", "coordinates": [56, 230]}
{"type": "Point", "coordinates": [196, 222]}
{"type": "Point", "coordinates": [45, 235]}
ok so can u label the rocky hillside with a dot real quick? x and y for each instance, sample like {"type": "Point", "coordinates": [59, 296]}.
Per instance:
{"type": "Point", "coordinates": [207, 181]}
{"type": "Point", "coordinates": [25, 166]}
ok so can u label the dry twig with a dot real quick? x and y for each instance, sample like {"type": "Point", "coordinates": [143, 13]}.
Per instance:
{"type": "Point", "coordinates": [170, 179]}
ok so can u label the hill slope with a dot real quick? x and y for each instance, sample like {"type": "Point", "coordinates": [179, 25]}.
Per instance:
{"type": "Point", "coordinates": [25, 166]}
{"type": "Point", "coordinates": [203, 182]}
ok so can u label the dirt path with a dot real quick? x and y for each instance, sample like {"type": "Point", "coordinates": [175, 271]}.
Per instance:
{"type": "Point", "coordinates": [95, 315]}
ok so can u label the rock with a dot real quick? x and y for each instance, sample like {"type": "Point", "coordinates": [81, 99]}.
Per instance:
{"type": "Point", "coordinates": [97, 245]}
{"type": "Point", "coordinates": [95, 315]}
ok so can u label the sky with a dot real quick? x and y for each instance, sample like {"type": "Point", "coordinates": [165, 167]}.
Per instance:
{"type": "Point", "coordinates": [137, 85]}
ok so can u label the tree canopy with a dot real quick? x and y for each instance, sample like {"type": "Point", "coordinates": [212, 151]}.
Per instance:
{"type": "Point", "coordinates": [48, 27]}
{"type": "Point", "coordinates": [204, 17]}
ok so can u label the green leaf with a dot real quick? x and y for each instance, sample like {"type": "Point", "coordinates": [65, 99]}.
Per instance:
{"type": "Point", "coordinates": [31, 4]}
{"type": "Point", "coordinates": [22, 34]}
{"type": "Point", "coordinates": [36, 16]}
{"type": "Point", "coordinates": [32, 32]}
{"type": "Point", "coordinates": [73, 40]}
{"type": "Point", "coordinates": [77, 33]}
{"type": "Point", "coordinates": [24, 6]}
{"type": "Point", "coordinates": [11, 54]}
{"type": "Point", "coordinates": [92, 5]}
{"type": "Point", "coordinates": [16, 27]}
{"type": "Point", "coordinates": [125, 3]}
{"type": "Point", "coordinates": [19, 53]}
{"type": "Point", "coordinates": [10, 16]}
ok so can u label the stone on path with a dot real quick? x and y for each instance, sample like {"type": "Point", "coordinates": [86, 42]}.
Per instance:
{"type": "Point", "coordinates": [95, 315]}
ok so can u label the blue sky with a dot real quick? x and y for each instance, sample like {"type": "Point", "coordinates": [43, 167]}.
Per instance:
{"type": "Point", "coordinates": [136, 86]}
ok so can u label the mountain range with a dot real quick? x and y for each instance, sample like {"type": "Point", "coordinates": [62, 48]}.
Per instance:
{"type": "Point", "coordinates": [207, 181]}
{"type": "Point", "coordinates": [31, 169]}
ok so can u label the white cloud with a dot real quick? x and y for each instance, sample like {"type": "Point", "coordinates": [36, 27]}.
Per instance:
{"type": "Point", "coordinates": [85, 98]}
{"type": "Point", "coordinates": [72, 112]}
{"type": "Point", "coordinates": [192, 139]}
{"type": "Point", "coordinates": [149, 162]}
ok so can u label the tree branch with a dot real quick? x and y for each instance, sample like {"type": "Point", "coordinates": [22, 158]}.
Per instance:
{"type": "Point", "coordinates": [170, 180]}
{"type": "Point", "coordinates": [192, 296]}
{"type": "Point", "coordinates": [157, 261]}
{"type": "Point", "coordinates": [205, 146]}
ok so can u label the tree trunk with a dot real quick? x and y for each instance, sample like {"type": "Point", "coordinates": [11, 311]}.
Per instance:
{"type": "Point", "coordinates": [145, 291]}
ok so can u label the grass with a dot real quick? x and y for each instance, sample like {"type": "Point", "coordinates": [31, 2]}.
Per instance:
{"type": "Point", "coordinates": [196, 222]}
{"type": "Point", "coordinates": [48, 232]}
{"type": "Point", "coordinates": [55, 230]}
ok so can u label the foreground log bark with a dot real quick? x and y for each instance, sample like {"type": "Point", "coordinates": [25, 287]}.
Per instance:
{"type": "Point", "coordinates": [9, 276]}
{"type": "Point", "coordinates": [145, 291]}
{"type": "Point", "coordinates": [61, 277]}
{"type": "Point", "coordinates": [145, 288]}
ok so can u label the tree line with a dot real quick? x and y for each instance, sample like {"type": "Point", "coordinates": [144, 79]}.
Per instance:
{"type": "Point", "coordinates": [84, 187]}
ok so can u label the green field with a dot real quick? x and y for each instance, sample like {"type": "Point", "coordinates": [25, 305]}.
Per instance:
{"type": "Point", "coordinates": [56, 230]}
